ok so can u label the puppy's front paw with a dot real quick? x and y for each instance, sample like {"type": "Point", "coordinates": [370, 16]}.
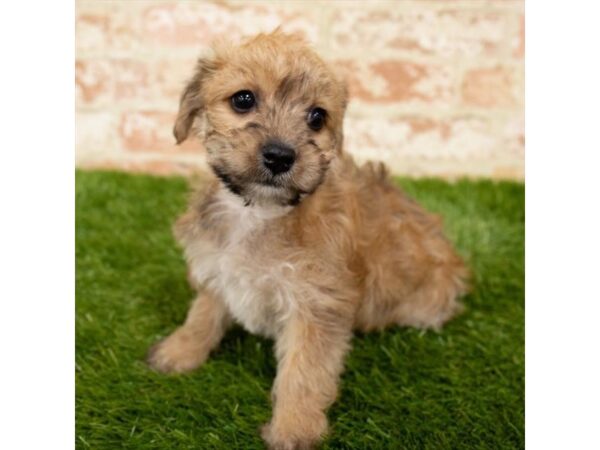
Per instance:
{"type": "Point", "coordinates": [178, 353]}
{"type": "Point", "coordinates": [295, 433]}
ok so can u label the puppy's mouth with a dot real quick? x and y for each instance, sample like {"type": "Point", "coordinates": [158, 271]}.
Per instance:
{"type": "Point", "coordinates": [227, 180]}
{"type": "Point", "coordinates": [266, 189]}
{"type": "Point", "coordinates": [275, 181]}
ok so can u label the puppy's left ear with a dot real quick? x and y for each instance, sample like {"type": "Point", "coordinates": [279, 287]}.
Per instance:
{"type": "Point", "coordinates": [344, 95]}
{"type": "Point", "coordinates": [190, 103]}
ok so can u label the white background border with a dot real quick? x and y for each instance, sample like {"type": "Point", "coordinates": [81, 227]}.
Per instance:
{"type": "Point", "coordinates": [563, 225]}
{"type": "Point", "coordinates": [37, 225]}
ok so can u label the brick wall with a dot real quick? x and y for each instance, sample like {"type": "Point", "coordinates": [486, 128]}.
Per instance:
{"type": "Point", "coordinates": [437, 86]}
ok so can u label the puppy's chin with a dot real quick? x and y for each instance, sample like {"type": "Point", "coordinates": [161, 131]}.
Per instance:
{"type": "Point", "coordinates": [270, 194]}
{"type": "Point", "coordinates": [264, 194]}
{"type": "Point", "coordinates": [265, 190]}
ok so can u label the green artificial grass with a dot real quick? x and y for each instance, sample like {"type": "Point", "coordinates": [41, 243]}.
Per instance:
{"type": "Point", "coordinates": [402, 388]}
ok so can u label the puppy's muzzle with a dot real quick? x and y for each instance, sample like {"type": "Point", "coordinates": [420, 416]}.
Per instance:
{"type": "Point", "coordinates": [277, 157]}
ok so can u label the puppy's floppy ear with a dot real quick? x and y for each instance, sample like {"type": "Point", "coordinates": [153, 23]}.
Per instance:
{"type": "Point", "coordinates": [191, 103]}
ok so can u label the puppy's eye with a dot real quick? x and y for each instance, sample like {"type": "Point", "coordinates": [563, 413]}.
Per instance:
{"type": "Point", "coordinates": [243, 101]}
{"type": "Point", "coordinates": [316, 118]}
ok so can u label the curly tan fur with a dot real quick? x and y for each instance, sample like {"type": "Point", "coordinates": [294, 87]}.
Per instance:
{"type": "Point", "coordinates": [305, 257]}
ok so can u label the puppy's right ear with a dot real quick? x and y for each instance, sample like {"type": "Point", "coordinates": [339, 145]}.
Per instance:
{"type": "Point", "coordinates": [190, 103]}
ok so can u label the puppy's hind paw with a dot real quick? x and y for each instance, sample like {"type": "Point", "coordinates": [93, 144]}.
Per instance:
{"type": "Point", "coordinates": [178, 353]}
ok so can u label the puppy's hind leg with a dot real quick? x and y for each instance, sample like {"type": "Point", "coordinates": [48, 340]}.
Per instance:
{"type": "Point", "coordinates": [189, 346]}
{"type": "Point", "coordinates": [434, 302]}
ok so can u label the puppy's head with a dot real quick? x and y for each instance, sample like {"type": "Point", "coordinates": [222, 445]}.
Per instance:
{"type": "Point", "coordinates": [271, 112]}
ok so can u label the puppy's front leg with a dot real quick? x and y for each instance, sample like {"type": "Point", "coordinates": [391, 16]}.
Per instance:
{"type": "Point", "coordinates": [188, 346]}
{"type": "Point", "coordinates": [310, 355]}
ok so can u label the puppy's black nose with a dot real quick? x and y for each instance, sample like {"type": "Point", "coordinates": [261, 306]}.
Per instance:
{"type": "Point", "coordinates": [278, 158]}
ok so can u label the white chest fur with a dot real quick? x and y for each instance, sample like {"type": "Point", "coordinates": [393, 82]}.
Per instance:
{"type": "Point", "coordinates": [254, 285]}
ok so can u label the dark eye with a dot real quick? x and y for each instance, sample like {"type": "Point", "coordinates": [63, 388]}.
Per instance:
{"type": "Point", "coordinates": [316, 118]}
{"type": "Point", "coordinates": [242, 101]}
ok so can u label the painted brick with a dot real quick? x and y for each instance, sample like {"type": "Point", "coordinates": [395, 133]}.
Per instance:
{"type": "Point", "coordinates": [114, 82]}
{"type": "Point", "coordinates": [513, 135]}
{"type": "Point", "coordinates": [458, 139]}
{"type": "Point", "coordinates": [95, 134]}
{"type": "Point", "coordinates": [447, 33]}
{"type": "Point", "coordinates": [491, 87]}
{"type": "Point", "coordinates": [181, 24]}
{"type": "Point", "coordinates": [398, 81]}
{"type": "Point", "coordinates": [171, 75]}
{"type": "Point", "coordinates": [154, 166]}
{"type": "Point", "coordinates": [111, 80]}
{"type": "Point", "coordinates": [437, 86]}
{"type": "Point", "coordinates": [519, 41]}
{"type": "Point", "coordinates": [151, 131]}
{"type": "Point", "coordinates": [91, 31]}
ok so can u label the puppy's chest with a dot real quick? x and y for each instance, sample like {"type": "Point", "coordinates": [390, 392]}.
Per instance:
{"type": "Point", "coordinates": [251, 278]}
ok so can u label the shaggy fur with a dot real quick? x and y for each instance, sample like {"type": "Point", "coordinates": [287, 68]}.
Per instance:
{"type": "Point", "coordinates": [304, 257]}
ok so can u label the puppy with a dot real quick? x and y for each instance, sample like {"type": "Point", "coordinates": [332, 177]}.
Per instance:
{"type": "Point", "coordinates": [291, 239]}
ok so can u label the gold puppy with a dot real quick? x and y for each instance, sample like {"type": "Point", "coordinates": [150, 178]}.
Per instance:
{"type": "Point", "coordinates": [291, 239]}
